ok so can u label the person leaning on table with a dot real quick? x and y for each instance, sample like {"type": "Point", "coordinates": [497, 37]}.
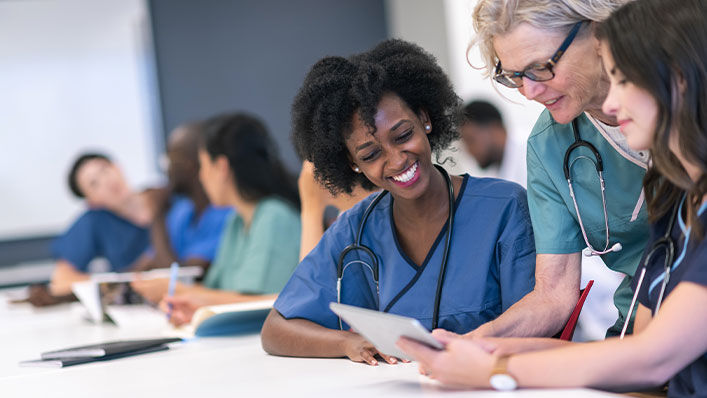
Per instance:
{"type": "Point", "coordinates": [375, 120]}
{"type": "Point", "coordinates": [547, 50]}
{"type": "Point", "coordinates": [659, 93]}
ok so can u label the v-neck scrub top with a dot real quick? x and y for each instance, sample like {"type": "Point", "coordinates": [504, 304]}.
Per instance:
{"type": "Point", "coordinates": [689, 265]}
{"type": "Point", "coordinates": [491, 263]}
{"type": "Point", "coordinates": [555, 222]}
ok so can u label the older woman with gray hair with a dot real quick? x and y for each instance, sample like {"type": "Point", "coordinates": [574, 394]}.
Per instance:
{"type": "Point", "coordinates": [584, 182]}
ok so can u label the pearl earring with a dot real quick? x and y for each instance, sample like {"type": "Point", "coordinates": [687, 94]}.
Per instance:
{"type": "Point", "coordinates": [428, 127]}
{"type": "Point", "coordinates": [356, 169]}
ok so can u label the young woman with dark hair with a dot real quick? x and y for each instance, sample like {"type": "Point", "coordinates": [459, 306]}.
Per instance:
{"type": "Point", "coordinates": [655, 54]}
{"type": "Point", "coordinates": [259, 248]}
{"type": "Point", "coordinates": [451, 251]}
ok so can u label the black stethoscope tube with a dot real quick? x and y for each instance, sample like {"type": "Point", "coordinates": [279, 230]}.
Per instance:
{"type": "Point", "coordinates": [374, 267]}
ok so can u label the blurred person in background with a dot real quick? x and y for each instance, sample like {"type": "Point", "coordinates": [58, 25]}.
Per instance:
{"type": "Point", "coordinates": [485, 138]}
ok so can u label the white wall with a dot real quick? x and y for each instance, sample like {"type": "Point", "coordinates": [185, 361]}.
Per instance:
{"type": "Point", "coordinates": [444, 29]}
{"type": "Point", "coordinates": [75, 75]}
{"type": "Point", "coordinates": [519, 114]}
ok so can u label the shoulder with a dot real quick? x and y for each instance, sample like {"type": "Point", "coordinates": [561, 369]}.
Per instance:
{"type": "Point", "coordinates": [354, 215]}
{"type": "Point", "coordinates": [97, 216]}
{"type": "Point", "coordinates": [543, 125]}
{"type": "Point", "coordinates": [180, 204]}
{"type": "Point", "coordinates": [546, 127]}
{"type": "Point", "coordinates": [492, 188]}
{"type": "Point", "coordinates": [494, 199]}
{"type": "Point", "coordinates": [274, 207]}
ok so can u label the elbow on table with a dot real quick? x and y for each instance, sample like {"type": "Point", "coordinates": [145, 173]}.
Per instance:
{"type": "Point", "coordinates": [268, 334]}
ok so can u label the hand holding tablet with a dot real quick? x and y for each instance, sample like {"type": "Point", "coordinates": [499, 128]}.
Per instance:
{"type": "Point", "coordinates": [383, 330]}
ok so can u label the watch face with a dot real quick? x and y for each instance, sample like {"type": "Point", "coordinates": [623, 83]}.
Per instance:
{"type": "Point", "coordinates": [503, 382]}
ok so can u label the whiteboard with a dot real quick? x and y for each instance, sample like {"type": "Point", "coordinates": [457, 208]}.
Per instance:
{"type": "Point", "coordinates": [75, 75]}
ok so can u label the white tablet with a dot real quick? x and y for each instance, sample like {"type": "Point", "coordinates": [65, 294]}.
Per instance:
{"type": "Point", "coordinates": [383, 330]}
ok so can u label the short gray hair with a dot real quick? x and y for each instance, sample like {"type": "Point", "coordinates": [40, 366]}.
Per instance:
{"type": "Point", "coordinates": [492, 18]}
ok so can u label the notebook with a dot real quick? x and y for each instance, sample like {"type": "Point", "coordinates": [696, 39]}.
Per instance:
{"type": "Point", "coordinates": [227, 319]}
{"type": "Point", "coordinates": [109, 348]}
{"type": "Point", "coordinates": [100, 352]}
{"type": "Point", "coordinates": [65, 362]}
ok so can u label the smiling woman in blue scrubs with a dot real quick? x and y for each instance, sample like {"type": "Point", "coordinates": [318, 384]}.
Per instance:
{"type": "Point", "coordinates": [376, 119]}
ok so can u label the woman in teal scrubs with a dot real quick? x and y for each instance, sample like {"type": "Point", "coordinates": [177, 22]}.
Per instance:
{"type": "Point", "coordinates": [375, 120]}
{"type": "Point", "coordinates": [547, 51]}
{"type": "Point", "coordinates": [259, 246]}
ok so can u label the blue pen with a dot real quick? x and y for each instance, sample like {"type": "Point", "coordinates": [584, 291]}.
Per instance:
{"type": "Point", "coordinates": [173, 273]}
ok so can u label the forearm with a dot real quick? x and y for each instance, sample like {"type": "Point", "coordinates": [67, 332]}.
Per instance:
{"type": "Point", "coordinates": [312, 228]}
{"type": "Point", "coordinates": [164, 255]}
{"type": "Point", "coordinates": [301, 338]}
{"type": "Point", "coordinates": [513, 345]}
{"type": "Point", "coordinates": [217, 297]}
{"type": "Point", "coordinates": [673, 339]}
{"type": "Point", "coordinates": [536, 314]}
{"type": "Point", "coordinates": [610, 364]}
{"type": "Point", "coordinates": [542, 312]}
{"type": "Point", "coordinates": [63, 277]}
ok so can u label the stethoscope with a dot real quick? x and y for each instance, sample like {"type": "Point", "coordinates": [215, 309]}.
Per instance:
{"type": "Point", "coordinates": [374, 268]}
{"type": "Point", "coordinates": [664, 243]}
{"type": "Point", "coordinates": [598, 164]}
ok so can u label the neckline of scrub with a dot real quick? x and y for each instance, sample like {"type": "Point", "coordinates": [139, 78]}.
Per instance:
{"type": "Point", "coordinates": [440, 235]}
{"type": "Point", "coordinates": [421, 268]}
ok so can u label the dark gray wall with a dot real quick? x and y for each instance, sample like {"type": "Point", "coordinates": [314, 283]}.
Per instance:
{"type": "Point", "coordinates": [224, 55]}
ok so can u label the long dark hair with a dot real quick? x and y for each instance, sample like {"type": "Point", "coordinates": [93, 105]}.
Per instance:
{"type": "Point", "coordinates": [661, 47]}
{"type": "Point", "coordinates": [252, 156]}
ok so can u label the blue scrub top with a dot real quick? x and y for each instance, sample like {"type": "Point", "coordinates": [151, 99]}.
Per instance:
{"type": "Point", "coordinates": [191, 237]}
{"type": "Point", "coordinates": [101, 233]}
{"type": "Point", "coordinates": [491, 263]}
{"type": "Point", "coordinates": [688, 266]}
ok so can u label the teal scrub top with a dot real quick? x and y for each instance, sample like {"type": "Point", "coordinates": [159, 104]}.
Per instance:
{"type": "Point", "coordinates": [552, 211]}
{"type": "Point", "coordinates": [261, 259]}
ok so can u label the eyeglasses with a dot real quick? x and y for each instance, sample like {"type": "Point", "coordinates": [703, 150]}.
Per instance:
{"type": "Point", "coordinates": [536, 72]}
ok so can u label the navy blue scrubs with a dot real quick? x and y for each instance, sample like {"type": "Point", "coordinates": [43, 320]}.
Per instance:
{"type": "Point", "coordinates": [101, 233]}
{"type": "Point", "coordinates": [690, 265]}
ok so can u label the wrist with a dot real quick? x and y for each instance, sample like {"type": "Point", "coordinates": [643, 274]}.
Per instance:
{"type": "Point", "coordinates": [500, 378]}
{"type": "Point", "coordinates": [485, 330]}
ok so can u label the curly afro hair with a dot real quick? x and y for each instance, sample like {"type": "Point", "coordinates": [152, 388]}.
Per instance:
{"type": "Point", "coordinates": [336, 88]}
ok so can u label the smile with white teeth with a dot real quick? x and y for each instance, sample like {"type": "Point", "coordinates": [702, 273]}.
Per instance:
{"type": "Point", "coordinates": [551, 101]}
{"type": "Point", "coordinates": [406, 175]}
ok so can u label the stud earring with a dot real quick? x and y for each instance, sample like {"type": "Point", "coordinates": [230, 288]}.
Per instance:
{"type": "Point", "coordinates": [356, 169]}
{"type": "Point", "coordinates": [428, 127]}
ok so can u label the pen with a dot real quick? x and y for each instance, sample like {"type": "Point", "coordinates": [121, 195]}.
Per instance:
{"type": "Point", "coordinates": [173, 272]}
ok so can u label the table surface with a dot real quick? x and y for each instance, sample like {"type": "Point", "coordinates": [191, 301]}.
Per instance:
{"type": "Point", "coordinates": [210, 367]}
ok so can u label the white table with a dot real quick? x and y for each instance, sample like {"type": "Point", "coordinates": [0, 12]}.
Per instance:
{"type": "Point", "coordinates": [210, 367]}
